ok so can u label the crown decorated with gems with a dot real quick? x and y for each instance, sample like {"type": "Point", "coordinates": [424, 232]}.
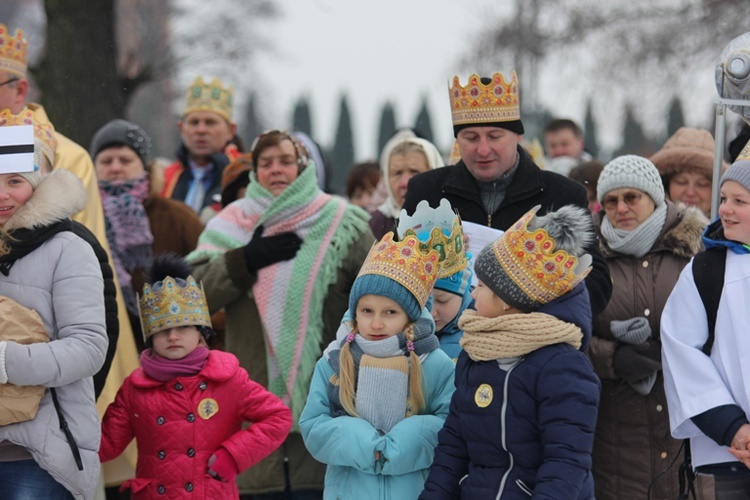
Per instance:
{"type": "Point", "coordinates": [14, 52]}
{"type": "Point", "coordinates": [438, 229]}
{"type": "Point", "coordinates": [478, 103]}
{"type": "Point", "coordinates": [744, 154]}
{"type": "Point", "coordinates": [530, 260]}
{"type": "Point", "coordinates": [171, 303]}
{"type": "Point", "coordinates": [44, 133]}
{"type": "Point", "coordinates": [213, 96]}
{"type": "Point", "coordinates": [406, 263]}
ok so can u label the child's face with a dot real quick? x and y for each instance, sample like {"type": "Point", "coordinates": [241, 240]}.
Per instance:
{"type": "Point", "coordinates": [488, 304]}
{"type": "Point", "coordinates": [176, 343]}
{"type": "Point", "coordinates": [362, 197]}
{"type": "Point", "coordinates": [445, 307]}
{"type": "Point", "coordinates": [734, 212]}
{"type": "Point", "coordinates": [379, 317]}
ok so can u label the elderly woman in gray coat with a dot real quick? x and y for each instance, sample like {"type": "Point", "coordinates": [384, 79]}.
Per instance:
{"type": "Point", "coordinates": [47, 268]}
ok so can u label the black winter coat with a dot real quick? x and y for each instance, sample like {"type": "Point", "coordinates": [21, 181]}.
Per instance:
{"type": "Point", "coordinates": [530, 186]}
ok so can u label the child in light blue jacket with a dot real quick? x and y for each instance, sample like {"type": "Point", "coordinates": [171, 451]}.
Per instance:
{"type": "Point", "coordinates": [382, 389]}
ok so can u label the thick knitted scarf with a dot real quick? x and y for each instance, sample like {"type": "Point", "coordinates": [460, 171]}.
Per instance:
{"type": "Point", "coordinates": [640, 240]}
{"type": "Point", "coordinates": [128, 230]}
{"type": "Point", "coordinates": [513, 335]}
{"type": "Point", "coordinates": [290, 294]}
{"type": "Point", "coordinates": [164, 370]}
{"type": "Point", "coordinates": [381, 371]}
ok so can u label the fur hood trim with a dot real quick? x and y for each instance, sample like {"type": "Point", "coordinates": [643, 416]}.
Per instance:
{"type": "Point", "coordinates": [60, 195]}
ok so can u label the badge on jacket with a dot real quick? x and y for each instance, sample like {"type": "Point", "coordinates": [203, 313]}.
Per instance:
{"type": "Point", "coordinates": [207, 408]}
{"type": "Point", "coordinates": [483, 396]}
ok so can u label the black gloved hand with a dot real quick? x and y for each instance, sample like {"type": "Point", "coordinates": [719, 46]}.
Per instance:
{"type": "Point", "coordinates": [263, 251]}
{"type": "Point", "coordinates": [636, 362]}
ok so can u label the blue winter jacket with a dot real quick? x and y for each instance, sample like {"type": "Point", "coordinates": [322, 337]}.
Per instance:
{"type": "Point", "coordinates": [348, 444]}
{"type": "Point", "coordinates": [533, 435]}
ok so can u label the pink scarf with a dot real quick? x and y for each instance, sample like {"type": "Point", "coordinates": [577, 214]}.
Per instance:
{"type": "Point", "coordinates": [164, 370]}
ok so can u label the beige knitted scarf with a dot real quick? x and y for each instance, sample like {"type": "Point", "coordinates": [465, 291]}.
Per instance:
{"type": "Point", "coordinates": [513, 335]}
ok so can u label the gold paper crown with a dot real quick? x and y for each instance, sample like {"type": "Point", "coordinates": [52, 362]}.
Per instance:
{"type": "Point", "coordinates": [479, 103]}
{"type": "Point", "coordinates": [744, 154]}
{"type": "Point", "coordinates": [529, 259]}
{"type": "Point", "coordinates": [438, 229]}
{"type": "Point", "coordinates": [44, 133]}
{"type": "Point", "coordinates": [14, 52]}
{"type": "Point", "coordinates": [405, 263]}
{"type": "Point", "coordinates": [169, 304]}
{"type": "Point", "coordinates": [214, 97]}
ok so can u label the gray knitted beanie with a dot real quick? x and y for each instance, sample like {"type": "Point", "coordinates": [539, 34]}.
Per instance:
{"type": "Point", "coordinates": [122, 133]}
{"type": "Point", "coordinates": [739, 172]}
{"type": "Point", "coordinates": [631, 171]}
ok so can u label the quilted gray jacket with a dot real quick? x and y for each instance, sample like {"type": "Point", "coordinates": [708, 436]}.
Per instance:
{"type": "Point", "coordinates": [62, 281]}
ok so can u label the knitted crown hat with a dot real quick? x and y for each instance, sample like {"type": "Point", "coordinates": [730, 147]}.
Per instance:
{"type": "Point", "coordinates": [122, 133]}
{"type": "Point", "coordinates": [399, 270]}
{"type": "Point", "coordinates": [538, 259]}
{"type": "Point", "coordinates": [740, 169]}
{"type": "Point", "coordinates": [631, 171]}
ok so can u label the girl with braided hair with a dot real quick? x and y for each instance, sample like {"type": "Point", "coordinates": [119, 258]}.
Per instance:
{"type": "Point", "coordinates": [381, 391]}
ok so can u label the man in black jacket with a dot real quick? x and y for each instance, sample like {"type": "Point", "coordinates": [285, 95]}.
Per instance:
{"type": "Point", "coordinates": [496, 182]}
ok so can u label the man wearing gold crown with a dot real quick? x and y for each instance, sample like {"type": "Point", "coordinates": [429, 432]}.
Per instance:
{"type": "Point", "coordinates": [206, 129]}
{"type": "Point", "coordinates": [496, 182]}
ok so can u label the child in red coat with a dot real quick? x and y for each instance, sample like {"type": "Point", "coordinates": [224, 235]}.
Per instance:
{"type": "Point", "coordinates": [185, 405]}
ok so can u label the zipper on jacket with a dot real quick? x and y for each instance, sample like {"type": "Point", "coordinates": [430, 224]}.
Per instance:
{"type": "Point", "coordinates": [503, 411]}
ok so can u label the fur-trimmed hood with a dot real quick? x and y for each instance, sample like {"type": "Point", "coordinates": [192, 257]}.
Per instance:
{"type": "Point", "coordinates": [688, 149]}
{"type": "Point", "coordinates": [681, 235]}
{"type": "Point", "coordinates": [60, 195]}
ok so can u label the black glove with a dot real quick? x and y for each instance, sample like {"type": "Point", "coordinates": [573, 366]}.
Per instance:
{"type": "Point", "coordinates": [636, 362]}
{"type": "Point", "coordinates": [262, 251]}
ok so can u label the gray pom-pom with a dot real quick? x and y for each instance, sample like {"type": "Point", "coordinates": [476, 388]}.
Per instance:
{"type": "Point", "coordinates": [570, 226]}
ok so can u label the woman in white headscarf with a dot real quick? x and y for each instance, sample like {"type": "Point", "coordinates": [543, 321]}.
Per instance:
{"type": "Point", "coordinates": [404, 156]}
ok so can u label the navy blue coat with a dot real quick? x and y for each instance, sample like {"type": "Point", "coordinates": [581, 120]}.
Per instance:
{"type": "Point", "coordinates": [536, 434]}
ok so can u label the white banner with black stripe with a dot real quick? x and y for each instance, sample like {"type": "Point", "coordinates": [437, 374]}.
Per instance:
{"type": "Point", "coordinates": [16, 149]}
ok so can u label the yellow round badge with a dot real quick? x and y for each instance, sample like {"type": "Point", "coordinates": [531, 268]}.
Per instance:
{"type": "Point", "coordinates": [483, 396]}
{"type": "Point", "coordinates": [207, 408]}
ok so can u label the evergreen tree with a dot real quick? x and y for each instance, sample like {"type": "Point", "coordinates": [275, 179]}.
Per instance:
{"type": "Point", "coordinates": [589, 132]}
{"type": "Point", "coordinates": [252, 125]}
{"type": "Point", "coordinates": [387, 125]}
{"type": "Point", "coordinates": [423, 125]}
{"type": "Point", "coordinates": [301, 121]}
{"type": "Point", "coordinates": [342, 154]}
{"type": "Point", "coordinates": [676, 118]}
{"type": "Point", "coordinates": [634, 139]}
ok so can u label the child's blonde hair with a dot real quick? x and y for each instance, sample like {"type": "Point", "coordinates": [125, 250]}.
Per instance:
{"type": "Point", "coordinates": [347, 391]}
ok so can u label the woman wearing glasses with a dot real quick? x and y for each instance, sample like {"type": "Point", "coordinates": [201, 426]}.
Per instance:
{"type": "Point", "coordinates": [646, 240]}
{"type": "Point", "coordinates": [281, 261]}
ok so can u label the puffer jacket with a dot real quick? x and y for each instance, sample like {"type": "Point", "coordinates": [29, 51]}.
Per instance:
{"type": "Point", "coordinates": [535, 435]}
{"type": "Point", "coordinates": [61, 280]}
{"type": "Point", "coordinates": [176, 437]}
{"type": "Point", "coordinates": [347, 444]}
{"type": "Point", "coordinates": [633, 442]}
{"type": "Point", "coordinates": [226, 282]}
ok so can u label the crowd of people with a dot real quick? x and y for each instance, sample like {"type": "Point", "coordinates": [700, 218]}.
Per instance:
{"type": "Point", "coordinates": [261, 338]}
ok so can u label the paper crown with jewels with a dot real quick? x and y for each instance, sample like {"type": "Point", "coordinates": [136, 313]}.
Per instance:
{"type": "Point", "coordinates": [404, 262]}
{"type": "Point", "coordinates": [492, 103]}
{"type": "Point", "coordinates": [171, 303]}
{"type": "Point", "coordinates": [438, 229]}
{"type": "Point", "coordinates": [532, 272]}
{"type": "Point", "coordinates": [14, 52]}
{"type": "Point", "coordinates": [44, 133]}
{"type": "Point", "coordinates": [213, 96]}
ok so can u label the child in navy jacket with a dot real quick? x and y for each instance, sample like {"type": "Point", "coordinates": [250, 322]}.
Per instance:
{"type": "Point", "coordinates": [523, 415]}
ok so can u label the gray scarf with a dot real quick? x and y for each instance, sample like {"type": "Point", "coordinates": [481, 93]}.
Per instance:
{"type": "Point", "coordinates": [640, 240]}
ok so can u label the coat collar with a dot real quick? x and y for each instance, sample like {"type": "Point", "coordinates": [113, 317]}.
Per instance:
{"type": "Point", "coordinates": [59, 195]}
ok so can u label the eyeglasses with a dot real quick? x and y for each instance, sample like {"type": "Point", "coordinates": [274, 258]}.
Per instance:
{"type": "Point", "coordinates": [7, 82]}
{"type": "Point", "coordinates": [630, 199]}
